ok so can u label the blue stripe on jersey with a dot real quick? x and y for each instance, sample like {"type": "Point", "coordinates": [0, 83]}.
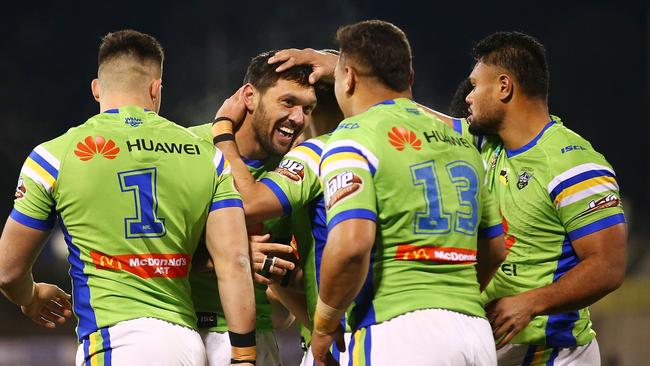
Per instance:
{"type": "Point", "coordinates": [458, 127]}
{"type": "Point", "coordinates": [253, 163]}
{"type": "Point", "coordinates": [319, 231]}
{"type": "Point", "coordinates": [515, 152]}
{"type": "Point", "coordinates": [279, 193]}
{"type": "Point", "coordinates": [479, 142]}
{"type": "Point", "coordinates": [106, 347]}
{"type": "Point", "coordinates": [112, 111]}
{"type": "Point", "coordinates": [559, 327]}
{"type": "Point", "coordinates": [357, 213]}
{"type": "Point", "coordinates": [80, 291]}
{"type": "Point", "coordinates": [363, 313]}
{"type": "Point", "coordinates": [86, 343]}
{"type": "Point", "coordinates": [230, 202]}
{"type": "Point", "coordinates": [350, 149]}
{"type": "Point", "coordinates": [31, 222]}
{"type": "Point", "coordinates": [222, 163]}
{"type": "Point", "coordinates": [312, 147]}
{"type": "Point", "coordinates": [601, 224]}
{"type": "Point", "coordinates": [367, 346]}
{"type": "Point", "coordinates": [577, 179]}
{"type": "Point", "coordinates": [351, 350]}
{"type": "Point", "coordinates": [386, 102]}
{"type": "Point", "coordinates": [551, 359]}
{"type": "Point", "coordinates": [490, 232]}
{"type": "Point", "coordinates": [44, 164]}
{"type": "Point", "coordinates": [530, 354]}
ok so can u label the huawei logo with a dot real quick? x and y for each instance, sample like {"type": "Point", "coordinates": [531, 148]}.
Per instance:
{"type": "Point", "coordinates": [400, 136]}
{"type": "Point", "coordinates": [87, 149]}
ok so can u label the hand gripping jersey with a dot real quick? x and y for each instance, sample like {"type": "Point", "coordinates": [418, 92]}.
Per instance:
{"type": "Point", "coordinates": [205, 292]}
{"type": "Point", "coordinates": [423, 185]}
{"type": "Point", "coordinates": [128, 188]}
{"type": "Point", "coordinates": [551, 191]}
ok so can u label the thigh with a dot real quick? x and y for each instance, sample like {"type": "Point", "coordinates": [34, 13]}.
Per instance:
{"type": "Point", "coordinates": [142, 341]}
{"type": "Point", "coordinates": [217, 347]}
{"type": "Point", "coordinates": [587, 355]}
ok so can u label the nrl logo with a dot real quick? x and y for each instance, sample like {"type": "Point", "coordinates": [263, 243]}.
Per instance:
{"type": "Point", "coordinates": [524, 177]}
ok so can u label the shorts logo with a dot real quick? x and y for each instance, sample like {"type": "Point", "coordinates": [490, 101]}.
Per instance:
{"type": "Point", "coordinates": [400, 136]}
{"type": "Point", "coordinates": [20, 188]}
{"type": "Point", "coordinates": [524, 177]}
{"type": "Point", "coordinates": [87, 149]}
{"type": "Point", "coordinates": [408, 252]}
{"type": "Point", "coordinates": [291, 169]}
{"type": "Point", "coordinates": [340, 186]}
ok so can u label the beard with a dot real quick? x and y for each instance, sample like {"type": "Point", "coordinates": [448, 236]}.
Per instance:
{"type": "Point", "coordinates": [264, 129]}
{"type": "Point", "coordinates": [489, 123]}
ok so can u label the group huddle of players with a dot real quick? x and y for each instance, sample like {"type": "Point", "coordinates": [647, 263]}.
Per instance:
{"type": "Point", "coordinates": [395, 235]}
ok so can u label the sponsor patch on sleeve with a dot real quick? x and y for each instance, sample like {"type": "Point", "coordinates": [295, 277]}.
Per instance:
{"type": "Point", "coordinates": [341, 186]}
{"type": "Point", "coordinates": [21, 190]}
{"type": "Point", "coordinates": [291, 169]}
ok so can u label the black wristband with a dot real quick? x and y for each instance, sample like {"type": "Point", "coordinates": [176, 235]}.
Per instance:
{"type": "Point", "coordinates": [223, 119]}
{"type": "Point", "coordinates": [234, 362]}
{"type": "Point", "coordinates": [223, 137]}
{"type": "Point", "coordinates": [242, 340]}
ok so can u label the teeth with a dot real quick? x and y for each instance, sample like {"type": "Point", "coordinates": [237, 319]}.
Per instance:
{"type": "Point", "coordinates": [287, 130]}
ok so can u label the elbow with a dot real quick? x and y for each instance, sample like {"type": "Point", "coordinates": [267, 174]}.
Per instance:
{"type": "Point", "coordinates": [614, 280]}
{"type": "Point", "coordinates": [9, 277]}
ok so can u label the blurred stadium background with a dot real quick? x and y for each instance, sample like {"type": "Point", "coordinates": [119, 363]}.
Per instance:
{"type": "Point", "coordinates": [598, 52]}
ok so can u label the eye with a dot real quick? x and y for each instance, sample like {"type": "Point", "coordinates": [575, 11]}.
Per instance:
{"type": "Point", "coordinates": [287, 102]}
{"type": "Point", "coordinates": [307, 110]}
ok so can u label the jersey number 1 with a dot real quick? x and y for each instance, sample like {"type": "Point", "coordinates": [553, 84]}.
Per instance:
{"type": "Point", "coordinates": [435, 220]}
{"type": "Point", "coordinates": [145, 224]}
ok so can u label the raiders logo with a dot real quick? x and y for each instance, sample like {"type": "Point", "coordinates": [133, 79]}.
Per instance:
{"type": "Point", "coordinates": [20, 188]}
{"type": "Point", "coordinates": [524, 177]}
{"type": "Point", "coordinates": [340, 186]}
{"type": "Point", "coordinates": [291, 169]}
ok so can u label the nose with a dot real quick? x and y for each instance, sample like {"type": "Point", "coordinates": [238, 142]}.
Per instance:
{"type": "Point", "coordinates": [297, 115]}
{"type": "Point", "coordinates": [469, 98]}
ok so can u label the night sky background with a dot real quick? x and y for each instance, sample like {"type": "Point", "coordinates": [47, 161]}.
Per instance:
{"type": "Point", "coordinates": [597, 52]}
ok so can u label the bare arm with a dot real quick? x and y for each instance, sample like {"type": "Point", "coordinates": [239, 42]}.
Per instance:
{"type": "Point", "coordinates": [45, 304]}
{"type": "Point", "coordinates": [293, 300]}
{"type": "Point", "coordinates": [491, 253]}
{"type": "Point", "coordinates": [322, 63]}
{"type": "Point", "coordinates": [600, 271]}
{"type": "Point", "coordinates": [227, 243]}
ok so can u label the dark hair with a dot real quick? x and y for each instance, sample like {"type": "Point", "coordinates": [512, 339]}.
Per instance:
{"type": "Point", "coordinates": [128, 42]}
{"type": "Point", "coordinates": [382, 47]}
{"type": "Point", "coordinates": [262, 75]}
{"type": "Point", "coordinates": [458, 105]}
{"type": "Point", "coordinates": [520, 54]}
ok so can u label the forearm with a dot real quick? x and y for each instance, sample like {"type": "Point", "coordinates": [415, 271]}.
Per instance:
{"type": "Point", "coordinates": [491, 253]}
{"type": "Point", "coordinates": [19, 290]}
{"type": "Point", "coordinates": [294, 301]}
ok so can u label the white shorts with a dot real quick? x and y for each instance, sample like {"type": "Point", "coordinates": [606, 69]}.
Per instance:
{"type": "Point", "coordinates": [425, 337]}
{"type": "Point", "coordinates": [341, 357]}
{"type": "Point", "coordinates": [217, 346]}
{"type": "Point", "coordinates": [142, 341]}
{"type": "Point", "coordinates": [524, 354]}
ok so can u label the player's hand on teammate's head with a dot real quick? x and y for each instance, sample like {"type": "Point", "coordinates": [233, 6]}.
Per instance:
{"type": "Point", "coordinates": [322, 63]}
{"type": "Point", "coordinates": [234, 108]}
{"type": "Point", "coordinates": [49, 307]}
{"type": "Point", "coordinates": [269, 259]}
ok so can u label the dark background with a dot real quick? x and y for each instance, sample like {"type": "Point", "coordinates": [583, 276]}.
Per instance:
{"type": "Point", "coordinates": [597, 51]}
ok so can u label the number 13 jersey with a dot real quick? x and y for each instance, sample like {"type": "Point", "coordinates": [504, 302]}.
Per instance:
{"type": "Point", "coordinates": [131, 191]}
{"type": "Point", "coordinates": [423, 184]}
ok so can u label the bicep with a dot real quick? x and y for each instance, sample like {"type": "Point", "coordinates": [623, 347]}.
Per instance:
{"type": "Point", "coordinates": [609, 243]}
{"type": "Point", "coordinates": [20, 246]}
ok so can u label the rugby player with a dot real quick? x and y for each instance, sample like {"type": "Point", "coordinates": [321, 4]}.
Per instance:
{"type": "Point", "coordinates": [561, 206]}
{"type": "Point", "coordinates": [127, 188]}
{"type": "Point", "coordinates": [275, 108]}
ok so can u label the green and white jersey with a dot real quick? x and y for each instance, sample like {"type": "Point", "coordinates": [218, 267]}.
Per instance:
{"type": "Point", "coordinates": [552, 191]}
{"type": "Point", "coordinates": [296, 184]}
{"type": "Point", "coordinates": [205, 292]}
{"type": "Point", "coordinates": [422, 184]}
{"type": "Point", "coordinates": [128, 188]}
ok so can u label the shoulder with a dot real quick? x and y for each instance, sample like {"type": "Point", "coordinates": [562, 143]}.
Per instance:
{"type": "Point", "coordinates": [203, 131]}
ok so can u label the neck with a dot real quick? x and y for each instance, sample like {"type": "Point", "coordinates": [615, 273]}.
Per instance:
{"type": "Point", "coordinates": [109, 101]}
{"type": "Point", "coordinates": [523, 123]}
{"type": "Point", "coordinates": [369, 95]}
{"type": "Point", "coordinates": [247, 141]}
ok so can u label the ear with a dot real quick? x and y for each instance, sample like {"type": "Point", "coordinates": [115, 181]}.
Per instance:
{"type": "Point", "coordinates": [251, 96]}
{"type": "Point", "coordinates": [350, 80]}
{"type": "Point", "coordinates": [155, 89]}
{"type": "Point", "coordinates": [411, 76]}
{"type": "Point", "coordinates": [94, 87]}
{"type": "Point", "coordinates": [506, 87]}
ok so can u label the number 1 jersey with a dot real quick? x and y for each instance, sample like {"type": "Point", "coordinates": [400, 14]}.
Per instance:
{"type": "Point", "coordinates": [131, 191]}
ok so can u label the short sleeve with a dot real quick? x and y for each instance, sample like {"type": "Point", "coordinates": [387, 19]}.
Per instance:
{"type": "Point", "coordinates": [34, 203]}
{"type": "Point", "coordinates": [586, 198]}
{"type": "Point", "coordinates": [225, 193]}
{"type": "Point", "coordinates": [490, 225]}
{"type": "Point", "coordinates": [295, 181]}
{"type": "Point", "coordinates": [348, 166]}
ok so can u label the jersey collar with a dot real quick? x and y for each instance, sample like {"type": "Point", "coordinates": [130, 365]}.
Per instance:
{"type": "Point", "coordinates": [533, 142]}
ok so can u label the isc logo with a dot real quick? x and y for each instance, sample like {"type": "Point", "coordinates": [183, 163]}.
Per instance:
{"type": "Point", "coordinates": [572, 148]}
{"type": "Point", "coordinates": [341, 186]}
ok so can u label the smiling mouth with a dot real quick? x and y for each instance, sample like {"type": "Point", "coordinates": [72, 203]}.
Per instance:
{"type": "Point", "coordinates": [286, 131]}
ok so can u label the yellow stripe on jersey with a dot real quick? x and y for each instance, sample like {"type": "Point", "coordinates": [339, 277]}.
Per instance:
{"type": "Point", "coordinates": [309, 152]}
{"type": "Point", "coordinates": [582, 186]}
{"type": "Point", "coordinates": [41, 172]}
